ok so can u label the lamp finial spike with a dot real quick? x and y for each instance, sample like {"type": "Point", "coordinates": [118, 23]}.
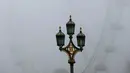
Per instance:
{"type": "Point", "coordinates": [60, 28]}
{"type": "Point", "coordinates": [70, 18]}
{"type": "Point", "coordinates": [80, 29]}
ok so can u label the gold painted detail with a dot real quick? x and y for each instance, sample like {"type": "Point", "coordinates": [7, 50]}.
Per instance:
{"type": "Point", "coordinates": [71, 49]}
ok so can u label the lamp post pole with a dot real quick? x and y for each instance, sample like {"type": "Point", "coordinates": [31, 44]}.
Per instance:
{"type": "Point", "coordinates": [70, 49]}
{"type": "Point", "coordinates": [72, 68]}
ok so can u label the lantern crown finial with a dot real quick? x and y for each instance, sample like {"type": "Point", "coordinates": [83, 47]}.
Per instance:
{"type": "Point", "coordinates": [70, 18]}
{"type": "Point", "coordinates": [59, 28]}
{"type": "Point", "coordinates": [80, 29]}
{"type": "Point", "coordinates": [80, 33]}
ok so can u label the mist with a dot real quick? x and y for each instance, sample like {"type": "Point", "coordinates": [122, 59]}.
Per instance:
{"type": "Point", "coordinates": [28, 29]}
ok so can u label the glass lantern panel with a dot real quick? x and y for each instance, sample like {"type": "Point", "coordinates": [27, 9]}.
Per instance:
{"type": "Point", "coordinates": [81, 42]}
{"type": "Point", "coordinates": [70, 30]}
{"type": "Point", "coordinates": [61, 41]}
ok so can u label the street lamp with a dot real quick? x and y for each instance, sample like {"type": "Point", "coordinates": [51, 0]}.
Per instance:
{"type": "Point", "coordinates": [70, 49]}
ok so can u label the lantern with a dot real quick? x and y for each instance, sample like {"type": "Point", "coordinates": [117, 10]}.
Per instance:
{"type": "Point", "coordinates": [60, 38]}
{"type": "Point", "coordinates": [81, 39]}
{"type": "Point", "coordinates": [70, 26]}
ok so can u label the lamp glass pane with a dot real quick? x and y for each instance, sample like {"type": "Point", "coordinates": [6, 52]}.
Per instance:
{"type": "Point", "coordinates": [60, 41]}
{"type": "Point", "coordinates": [81, 41]}
{"type": "Point", "coordinates": [70, 30]}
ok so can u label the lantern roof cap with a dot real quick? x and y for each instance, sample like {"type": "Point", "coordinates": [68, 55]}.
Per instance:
{"type": "Point", "coordinates": [70, 21]}
{"type": "Point", "coordinates": [60, 33]}
{"type": "Point", "coordinates": [81, 34]}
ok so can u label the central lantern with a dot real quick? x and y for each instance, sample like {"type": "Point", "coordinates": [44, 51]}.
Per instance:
{"type": "Point", "coordinates": [70, 26]}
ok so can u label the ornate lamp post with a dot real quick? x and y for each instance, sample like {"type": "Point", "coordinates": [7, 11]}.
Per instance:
{"type": "Point", "coordinates": [70, 49]}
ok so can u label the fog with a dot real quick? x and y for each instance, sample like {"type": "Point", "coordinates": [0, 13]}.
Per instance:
{"type": "Point", "coordinates": [28, 29]}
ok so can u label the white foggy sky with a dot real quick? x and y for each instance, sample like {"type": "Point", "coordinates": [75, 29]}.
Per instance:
{"type": "Point", "coordinates": [28, 28]}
